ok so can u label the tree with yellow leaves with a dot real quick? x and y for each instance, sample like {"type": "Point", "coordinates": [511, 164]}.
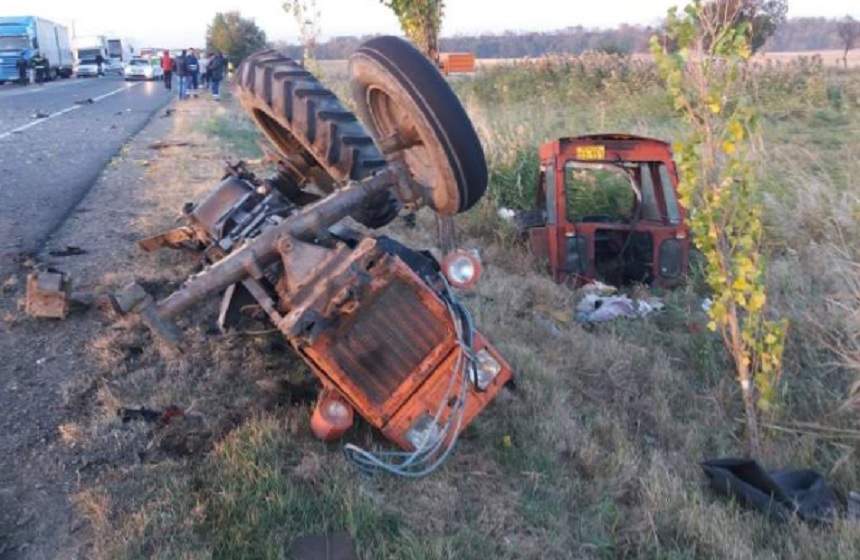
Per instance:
{"type": "Point", "coordinates": [704, 71]}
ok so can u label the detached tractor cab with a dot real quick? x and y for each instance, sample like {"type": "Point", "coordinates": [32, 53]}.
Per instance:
{"type": "Point", "coordinates": [607, 209]}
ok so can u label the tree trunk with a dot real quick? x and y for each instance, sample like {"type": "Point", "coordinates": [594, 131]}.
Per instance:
{"type": "Point", "coordinates": [742, 368]}
{"type": "Point", "coordinates": [446, 233]}
{"type": "Point", "coordinates": [753, 437]}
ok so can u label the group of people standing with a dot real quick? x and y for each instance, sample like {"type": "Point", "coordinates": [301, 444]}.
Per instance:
{"type": "Point", "coordinates": [193, 71]}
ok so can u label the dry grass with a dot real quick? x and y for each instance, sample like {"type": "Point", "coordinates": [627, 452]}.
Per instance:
{"type": "Point", "coordinates": [594, 455]}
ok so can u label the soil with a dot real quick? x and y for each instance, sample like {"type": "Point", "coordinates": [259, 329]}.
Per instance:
{"type": "Point", "coordinates": [62, 380]}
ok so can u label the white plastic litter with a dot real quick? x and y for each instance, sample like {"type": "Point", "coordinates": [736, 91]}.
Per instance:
{"type": "Point", "coordinates": [598, 288]}
{"type": "Point", "coordinates": [706, 304]}
{"type": "Point", "coordinates": [507, 214]}
{"type": "Point", "coordinates": [594, 308]}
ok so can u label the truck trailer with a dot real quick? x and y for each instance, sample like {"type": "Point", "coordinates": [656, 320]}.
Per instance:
{"type": "Point", "coordinates": [22, 38]}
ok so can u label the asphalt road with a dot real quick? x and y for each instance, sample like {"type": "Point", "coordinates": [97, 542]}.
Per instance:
{"type": "Point", "coordinates": [54, 141]}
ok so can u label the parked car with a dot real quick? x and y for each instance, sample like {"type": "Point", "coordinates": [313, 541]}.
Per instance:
{"type": "Point", "coordinates": [143, 69]}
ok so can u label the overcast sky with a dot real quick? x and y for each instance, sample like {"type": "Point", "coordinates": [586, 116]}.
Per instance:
{"type": "Point", "coordinates": [180, 23]}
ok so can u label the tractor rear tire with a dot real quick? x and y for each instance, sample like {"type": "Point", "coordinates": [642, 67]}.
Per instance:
{"type": "Point", "coordinates": [307, 124]}
{"type": "Point", "coordinates": [398, 91]}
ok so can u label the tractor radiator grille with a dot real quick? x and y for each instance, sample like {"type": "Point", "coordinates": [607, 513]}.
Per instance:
{"type": "Point", "coordinates": [388, 341]}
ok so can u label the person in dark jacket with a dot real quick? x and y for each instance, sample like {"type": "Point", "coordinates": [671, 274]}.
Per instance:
{"type": "Point", "coordinates": [193, 66]}
{"type": "Point", "coordinates": [41, 67]}
{"type": "Point", "coordinates": [181, 69]}
{"type": "Point", "coordinates": [99, 61]}
{"type": "Point", "coordinates": [21, 65]}
{"type": "Point", "coordinates": [217, 66]}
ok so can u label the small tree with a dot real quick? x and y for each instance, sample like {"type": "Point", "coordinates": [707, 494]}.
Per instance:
{"type": "Point", "coordinates": [235, 36]}
{"type": "Point", "coordinates": [704, 76]}
{"type": "Point", "coordinates": [421, 21]}
{"type": "Point", "coordinates": [307, 17]}
{"type": "Point", "coordinates": [849, 34]}
{"type": "Point", "coordinates": [762, 17]}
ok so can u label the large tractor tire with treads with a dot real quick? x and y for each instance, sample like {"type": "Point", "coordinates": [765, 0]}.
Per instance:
{"type": "Point", "coordinates": [398, 91]}
{"type": "Point", "coordinates": [311, 129]}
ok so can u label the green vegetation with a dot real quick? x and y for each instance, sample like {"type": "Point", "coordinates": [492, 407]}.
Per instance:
{"type": "Point", "coordinates": [235, 36]}
{"type": "Point", "coordinates": [704, 77]}
{"type": "Point", "coordinates": [236, 131]}
{"type": "Point", "coordinates": [598, 191]}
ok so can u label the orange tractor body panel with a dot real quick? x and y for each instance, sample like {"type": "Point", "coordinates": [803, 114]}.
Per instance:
{"type": "Point", "coordinates": [653, 246]}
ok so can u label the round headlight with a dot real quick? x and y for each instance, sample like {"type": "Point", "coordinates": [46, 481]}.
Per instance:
{"type": "Point", "coordinates": [462, 268]}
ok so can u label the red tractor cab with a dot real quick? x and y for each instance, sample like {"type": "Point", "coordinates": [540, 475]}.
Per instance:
{"type": "Point", "coordinates": [607, 209]}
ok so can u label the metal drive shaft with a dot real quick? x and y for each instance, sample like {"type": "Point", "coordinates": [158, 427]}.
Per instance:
{"type": "Point", "coordinates": [254, 257]}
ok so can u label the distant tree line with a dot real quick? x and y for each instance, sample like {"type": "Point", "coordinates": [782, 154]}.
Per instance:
{"type": "Point", "coordinates": [797, 34]}
{"type": "Point", "coordinates": [806, 34]}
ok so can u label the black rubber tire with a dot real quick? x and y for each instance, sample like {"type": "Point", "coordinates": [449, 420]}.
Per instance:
{"type": "Point", "coordinates": [413, 72]}
{"type": "Point", "coordinates": [299, 115]}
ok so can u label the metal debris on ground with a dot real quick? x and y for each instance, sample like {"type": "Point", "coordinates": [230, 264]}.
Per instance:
{"type": "Point", "coordinates": [336, 546]}
{"type": "Point", "coordinates": [161, 145]}
{"type": "Point", "coordinates": [69, 251]}
{"type": "Point", "coordinates": [47, 295]}
{"type": "Point", "coordinates": [594, 308]}
{"type": "Point", "coordinates": [149, 414]}
{"type": "Point", "coordinates": [779, 494]}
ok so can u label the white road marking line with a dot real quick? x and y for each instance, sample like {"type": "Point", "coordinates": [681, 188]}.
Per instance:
{"type": "Point", "coordinates": [64, 111]}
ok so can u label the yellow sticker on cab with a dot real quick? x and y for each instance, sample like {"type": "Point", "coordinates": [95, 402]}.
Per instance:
{"type": "Point", "coordinates": [591, 153]}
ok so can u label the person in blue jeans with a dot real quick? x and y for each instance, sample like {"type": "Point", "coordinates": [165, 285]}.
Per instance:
{"type": "Point", "coordinates": [217, 66]}
{"type": "Point", "coordinates": [193, 66]}
{"type": "Point", "coordinates": [182, 74]}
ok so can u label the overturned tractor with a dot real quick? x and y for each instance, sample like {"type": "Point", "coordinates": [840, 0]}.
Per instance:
{"type": "Point", "coordinates": [377, 322]}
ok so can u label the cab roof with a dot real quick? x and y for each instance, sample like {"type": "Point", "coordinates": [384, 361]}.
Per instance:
{"type": "Point", "coordinates": [616, 146]}
{"type": "Point", "coordinates": [612, 136]}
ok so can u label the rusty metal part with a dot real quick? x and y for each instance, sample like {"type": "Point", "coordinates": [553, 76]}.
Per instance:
{"type": "Point", "coordinates": [249, 260]}
{"type": "Point", "coordinates": [175, 238]}
{"type": "Point", "coordinates": [652, 245]}
{"type": "Point", "coordinates": [47, 295]}
{"type": "Point", "coordinates": [374, 320]}
{"type": "Point", "coordinates": [211, 214]}
{"type": "Point", "coordinates": [134, 299]}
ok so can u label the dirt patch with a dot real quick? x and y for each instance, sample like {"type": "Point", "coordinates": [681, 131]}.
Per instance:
{"type": "Point", "coordinates": [63, 381]}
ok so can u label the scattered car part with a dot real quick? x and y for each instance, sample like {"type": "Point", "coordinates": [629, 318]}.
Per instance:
{"type": "Point", "coordinates": [47, 295]}
{"type": "Point", "coordinates": [376, 321]}
{"type": "Point", "coordinates": [336, 546]}
{"type": "Point", "coordinates": [68, 251]}
{"type": "Point", "coordinates": [779, 494]}
{"type": "Point", "coordinates": [149, 415]}
{"type": "Point", "coordinates": [649, 243]}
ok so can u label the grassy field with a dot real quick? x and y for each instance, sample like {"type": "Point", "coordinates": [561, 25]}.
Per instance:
{"type": "Point", "coordinates": [596, 454]}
